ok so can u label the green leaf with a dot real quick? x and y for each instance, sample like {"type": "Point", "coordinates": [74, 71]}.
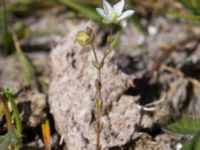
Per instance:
{"type": "Point", "coordinates": [185, 125]}
{"type": "Point", "coordinates": [193, 144]}
{"type": "Point", "coordinates": [9, 139]}
{"type": "Point", "coordinates": [192, 5]}
{"type": "Point", "coordinates": [175, 14]}
{"type": "Point", "coordinates": [28, 69]}
{"type": "Point", "coordinates": [99, 104]}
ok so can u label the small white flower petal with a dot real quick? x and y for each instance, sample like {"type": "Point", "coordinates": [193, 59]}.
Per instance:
{"type": "Point", "coordinates": [118, 8]}
{"type": "Point", "coordinates": [126, 14]}
{"type": "Point", "coordinates": [107, 7]}
{"type": "Point", "coordinates": [101, 12]}
{"type": "Point", "coordinates": [123, 23]}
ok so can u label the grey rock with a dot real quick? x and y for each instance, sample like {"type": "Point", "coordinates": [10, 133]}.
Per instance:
{"type": "Point", "coordinates": [71, 98]}
{"type": "Point", "coordinates": [32, 106]}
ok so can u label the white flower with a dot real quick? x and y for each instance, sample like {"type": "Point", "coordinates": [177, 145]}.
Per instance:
{"type": "Point", "coordinates": [114, 14]}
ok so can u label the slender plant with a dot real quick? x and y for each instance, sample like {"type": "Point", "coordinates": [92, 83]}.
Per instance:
{"type": "Point", "coordinates": [111, 15]}
{"type": "Point", "coordinates": [13, 137]}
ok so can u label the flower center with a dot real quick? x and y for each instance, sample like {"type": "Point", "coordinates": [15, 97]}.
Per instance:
{"type": "Point", "coordinates": [113, 15]}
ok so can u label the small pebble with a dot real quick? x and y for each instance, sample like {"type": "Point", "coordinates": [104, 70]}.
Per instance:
{"type": "Point", "coordinates": [152, 30]}
{"type": "Point", "coordinates": [179, 146]}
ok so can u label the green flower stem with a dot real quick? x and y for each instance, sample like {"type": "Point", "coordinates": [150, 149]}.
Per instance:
{"type": "Point", "coordinates": [16, 112]}
{"type": "Point", "coordinates": [7, 113]}
{"type": "Point", "coordinates": [99, 101]}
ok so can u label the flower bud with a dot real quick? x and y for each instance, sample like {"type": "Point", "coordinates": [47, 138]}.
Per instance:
{"type": "Point", "coordinates": [85, 37]}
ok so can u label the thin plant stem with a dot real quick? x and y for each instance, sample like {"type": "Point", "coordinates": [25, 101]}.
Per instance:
{"type": "Point", "coordinates": [16, 43]}
{"type": "Point", "coordinates": [6, 36]}
{"type": "Point", "coordinates": [98, 109]}
{"type": "Point", "coordinates": [94, 52]}
{"type": "Point", "coordinates": [99, 100]}
{"type": "Point", "coordinates": [16, 113]}
{"type": "Point", "coordinates": [98, 113]}
{"type": "Point", "coordinates": [7, 113]}
{"type": "Point", "coordinates": [5, 26]}
{"type": "Point", "coordinates": [112, 28]}
{"type": "Point", "coordinates": [98, 127]}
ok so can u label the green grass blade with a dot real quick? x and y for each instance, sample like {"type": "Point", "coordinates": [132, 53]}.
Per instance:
{"type": "Point", "coordinates": [5, 109]}
{"type": "Point", "coordinates": [89, 12]}
{"type": "Point", "coordinates": [6, 36]}
{"type": "Point", "coordinates": [192, 5]}
{"type": "Point", "coordinates": [9, 96]}
{"type": "Point", "coordinates": [193, 144]}
{"type": "Point", "coordinates": [185, 125]}
{"type": "Point", "coordinates": [28, 69]}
